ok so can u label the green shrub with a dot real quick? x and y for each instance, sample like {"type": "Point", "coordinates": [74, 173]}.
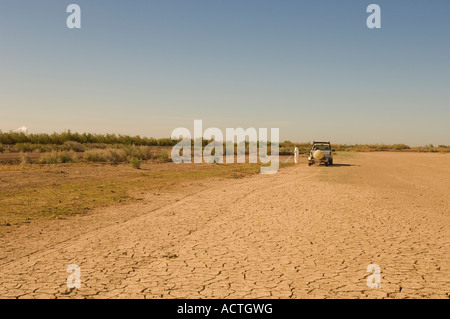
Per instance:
{"type": "Point", "coordinates": [113, 156]}
{"type": "Point", "coordinates": [116, 156]}
{"type": "Point", "coordinates": [163, 157]}
{"type": "Point", "coordinates": [49, 158]}
{"type": "Point", "coordinates": [95, 156]}
{"type": "Point", "coordinates": [135, 162]}
{"type": "Point", "coordinates": [67, 157]}
{"type": "Point", "coordinates": [25, 147]}
{"type": "Point", "coordinates": [140, 152]}
{"type": "Point", "coordinates": [55, 157]}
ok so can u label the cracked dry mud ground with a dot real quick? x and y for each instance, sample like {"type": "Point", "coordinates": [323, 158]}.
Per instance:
{"type": "Point", "coordinates": [306, 232]}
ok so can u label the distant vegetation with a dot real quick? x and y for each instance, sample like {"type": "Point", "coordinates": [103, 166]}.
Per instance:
{"type": "Point", "coordinates": [13, 138]}
{"type": "Point", "coordinates": [287, 146]}
{"type": "Point", "coordinates": [68, 147]}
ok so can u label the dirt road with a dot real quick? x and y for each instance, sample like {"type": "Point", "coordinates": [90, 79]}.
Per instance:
{"type": "Point", "coordinates": [306, 232]}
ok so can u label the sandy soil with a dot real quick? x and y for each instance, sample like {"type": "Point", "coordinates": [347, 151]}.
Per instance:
{"type": "Point", "coordinates": [306, 232]}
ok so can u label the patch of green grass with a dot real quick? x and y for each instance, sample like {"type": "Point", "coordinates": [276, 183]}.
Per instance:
{"type": "Point", "coordinates": [58, 158]}
{"type": "Point", "coordinates": [69, 197]}
{"type": "Point", "coordinates": [135, 163]}
{"type": "Point", "coordinates": [60, 200]}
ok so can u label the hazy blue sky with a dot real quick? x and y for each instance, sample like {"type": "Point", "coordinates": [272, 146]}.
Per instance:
{"type": "Point", "coordinates": [311, 68]}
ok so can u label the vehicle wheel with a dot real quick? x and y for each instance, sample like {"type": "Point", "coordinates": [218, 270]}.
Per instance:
{"type": "Point", "coordinates": [309, 164]}
{"type": "Point", "coordinates": [331, 162]}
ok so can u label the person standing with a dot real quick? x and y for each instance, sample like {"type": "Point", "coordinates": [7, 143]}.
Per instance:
{"type": "Point", "coordinates": [295, 154]}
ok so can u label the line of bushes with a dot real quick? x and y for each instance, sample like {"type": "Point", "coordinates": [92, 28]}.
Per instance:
{"type": "Point", "coordinates": [13, 138]}
{"type": "Point", "coordinates": [76, 142]}
{"type": "Point", "coordinates": [26, 142]}
{"type": "Point", "coordinates": [132, 154]}
{"type": "Point", "coordinates": [121, 154]}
